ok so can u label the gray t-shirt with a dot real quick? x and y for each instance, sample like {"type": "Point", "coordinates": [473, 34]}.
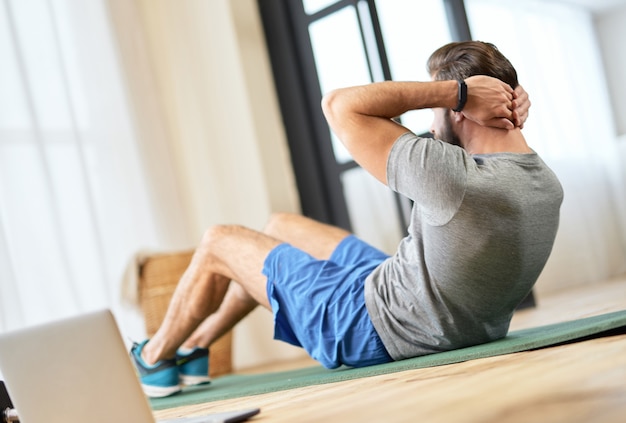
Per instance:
{"type": "Point", "coordinates": [482, 228]}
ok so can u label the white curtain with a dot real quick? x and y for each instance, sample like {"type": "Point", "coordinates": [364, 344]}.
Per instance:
{"type": "Point", "coordinates": [555, 50]}
{"type": "Point", "coordinates": [75, 203]}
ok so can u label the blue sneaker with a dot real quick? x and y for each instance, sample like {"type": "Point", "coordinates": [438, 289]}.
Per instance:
{"type": "Point", "coordinates": [193, 366]}
{"type": "Point", "coordinates": [158, 380]}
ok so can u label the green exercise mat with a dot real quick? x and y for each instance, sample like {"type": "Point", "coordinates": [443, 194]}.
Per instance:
{"type": "Point", "coordinates": [234, 386]}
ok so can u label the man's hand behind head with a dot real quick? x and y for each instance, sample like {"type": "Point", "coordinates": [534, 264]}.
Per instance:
{"type": "Point", "coordinates": [491, 102]}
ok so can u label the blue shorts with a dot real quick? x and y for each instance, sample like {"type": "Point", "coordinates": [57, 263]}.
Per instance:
{"type": "Point", "coordinates": [319, 305]}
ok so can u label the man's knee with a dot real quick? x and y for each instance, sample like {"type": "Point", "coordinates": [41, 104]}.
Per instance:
{"type": "Point", "coordinates": [217, 233]}
{"type": "Point", "coordinates": [278, 221]}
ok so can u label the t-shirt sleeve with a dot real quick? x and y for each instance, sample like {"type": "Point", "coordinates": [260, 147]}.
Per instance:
{"type": "Point", "coordinates": [431, 173]}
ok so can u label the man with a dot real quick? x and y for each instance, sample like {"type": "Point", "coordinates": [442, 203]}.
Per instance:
{"type": "Point", "coordinates": [482, 227]}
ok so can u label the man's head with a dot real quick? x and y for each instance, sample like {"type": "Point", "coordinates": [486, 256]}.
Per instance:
{"type": "Point", "coordinates": [460, 60]}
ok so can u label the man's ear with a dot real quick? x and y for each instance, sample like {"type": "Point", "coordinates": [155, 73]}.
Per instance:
{"type": "Point", "coordinates": [456, 117]}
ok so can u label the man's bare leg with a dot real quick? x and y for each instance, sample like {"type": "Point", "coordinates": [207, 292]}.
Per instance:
{"type": "Point", "coordinates": [203, 301]}
{"type": "Point", "coordinates": [237, 304]}
{"type": "Point", "coordinates": [317, 239]}
{"type": "Point", "coordinates": [225, 253]}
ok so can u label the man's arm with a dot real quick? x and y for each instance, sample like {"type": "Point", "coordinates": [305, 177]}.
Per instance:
{"type": "Point", "coordinates": [362, 116]}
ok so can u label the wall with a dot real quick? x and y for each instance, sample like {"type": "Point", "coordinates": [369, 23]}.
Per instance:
{"type": "Point", "coordinates": [611, 30]}
{"type": "Point", "coordinates": [611, 27]}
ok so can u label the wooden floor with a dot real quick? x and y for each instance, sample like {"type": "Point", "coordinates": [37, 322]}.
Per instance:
{"type": "Point", "coordinates": [578, 382]}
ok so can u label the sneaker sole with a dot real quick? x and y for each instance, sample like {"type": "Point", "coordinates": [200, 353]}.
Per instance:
{"type": "Point", "coordinates": [159, 391]}
{"type": "Point", "coordinates": [190, 380]}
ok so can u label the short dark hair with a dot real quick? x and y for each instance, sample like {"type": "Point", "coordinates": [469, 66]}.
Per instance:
{"type": "Point", "coordinates": [460, 60]}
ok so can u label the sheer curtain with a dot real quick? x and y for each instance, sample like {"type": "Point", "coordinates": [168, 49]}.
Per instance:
{"type": "Point", "coordinates": [75, 202]}
{"type": "Point", "coordinates": [556, 52]}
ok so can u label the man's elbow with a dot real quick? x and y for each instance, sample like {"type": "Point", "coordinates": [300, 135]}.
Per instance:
{"type": "Point", "coordinates": [335, 108]}
{"type": "Point", "coordinates": [329, 105]}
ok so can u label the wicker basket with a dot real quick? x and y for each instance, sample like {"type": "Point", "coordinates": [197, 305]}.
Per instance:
{"type": "Point", "coordinates": [158, 277]}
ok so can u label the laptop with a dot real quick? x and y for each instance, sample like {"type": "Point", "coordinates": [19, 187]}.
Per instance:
{"type": "Point", "coordinates": [78, 370]}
